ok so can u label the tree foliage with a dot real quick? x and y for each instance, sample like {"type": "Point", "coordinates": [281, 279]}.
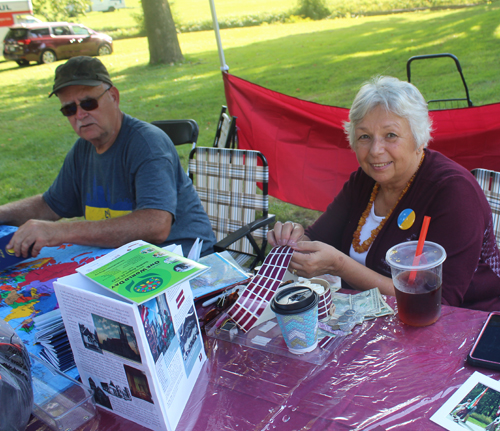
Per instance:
{"type": "Point", "coordinates": [60, 10]}
{"type": "Point", "coordinates": [314, 9]}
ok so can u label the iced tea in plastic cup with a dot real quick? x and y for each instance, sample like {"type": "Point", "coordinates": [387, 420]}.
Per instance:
{"type": "Point", "coordinates": [419, 301]}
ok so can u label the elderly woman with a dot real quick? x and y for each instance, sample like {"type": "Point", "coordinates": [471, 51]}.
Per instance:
{"type": "Point", "coordinates": [389, 129]}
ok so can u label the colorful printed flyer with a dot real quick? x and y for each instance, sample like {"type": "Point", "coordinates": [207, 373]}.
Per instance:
{"type": "Point", "coordinates": [139, 271]}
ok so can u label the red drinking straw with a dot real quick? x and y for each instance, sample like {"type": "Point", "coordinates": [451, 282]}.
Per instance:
{"type": "Point", "coordinates": [420, 247]}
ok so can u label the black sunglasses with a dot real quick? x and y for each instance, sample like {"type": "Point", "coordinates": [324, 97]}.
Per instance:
{"type": "Point", "coordinates": [87, 104]}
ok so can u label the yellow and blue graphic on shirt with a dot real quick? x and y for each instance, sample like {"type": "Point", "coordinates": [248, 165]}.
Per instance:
{"type": "Point", "coordinates": [100, 207]}
{"type": "Point", "coordinates": [406, 219]}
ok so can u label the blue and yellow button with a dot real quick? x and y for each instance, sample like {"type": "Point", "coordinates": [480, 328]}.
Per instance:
{"type": "Point", "coordinates": [406, 219]}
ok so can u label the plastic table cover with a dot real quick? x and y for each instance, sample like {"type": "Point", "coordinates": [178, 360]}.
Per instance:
{"type": "Point", "coordinates": [384, 376]}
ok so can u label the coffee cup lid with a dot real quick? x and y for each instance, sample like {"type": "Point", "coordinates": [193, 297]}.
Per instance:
{"type": "Point", "coordinates": [293, 300]}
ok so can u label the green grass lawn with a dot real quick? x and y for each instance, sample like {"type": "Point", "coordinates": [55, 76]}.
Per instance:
{"type": "Point", "coordinates": [184, 11]}
{"type": "Point", "coordinates": [323, 61]}
{"type": "Point", "coordinates": [189, 11]}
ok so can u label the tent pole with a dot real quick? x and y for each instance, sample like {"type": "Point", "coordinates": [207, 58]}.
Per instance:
{"type": "Point", "coordinates": [223, 66]}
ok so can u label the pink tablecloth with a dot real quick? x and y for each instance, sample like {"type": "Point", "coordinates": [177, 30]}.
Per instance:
{"type": "Point", "coordinates": [385, 376]}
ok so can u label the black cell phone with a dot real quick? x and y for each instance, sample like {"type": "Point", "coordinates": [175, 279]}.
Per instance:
{"type": "Point", "coordinates": [486, 350]}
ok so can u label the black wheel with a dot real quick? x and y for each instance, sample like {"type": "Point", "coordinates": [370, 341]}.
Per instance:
{"type": "Point", "coordinates": [104, 49]}
{"type": "Point", "coordinates": [111, 9]}
{"type": "Point", "coordinates": [23, 63]}
{"type": "Point", "coordinates": [48, 56]}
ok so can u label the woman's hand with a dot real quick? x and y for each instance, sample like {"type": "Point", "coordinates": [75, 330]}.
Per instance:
{"type": "Point", "coordinates": [313, 258]}
{"type": "Point", "coordinates": [287, 233]}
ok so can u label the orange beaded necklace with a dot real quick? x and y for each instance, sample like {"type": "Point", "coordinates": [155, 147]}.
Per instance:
{"type": "Point", "coordinates": [361, 248]}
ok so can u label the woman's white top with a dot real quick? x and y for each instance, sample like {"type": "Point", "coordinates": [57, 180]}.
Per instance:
{"type": "Point", "coordinates": [372, 222]}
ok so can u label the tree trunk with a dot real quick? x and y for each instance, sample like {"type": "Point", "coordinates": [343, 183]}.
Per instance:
{"type": "Point", "coordinates": [160, 28]}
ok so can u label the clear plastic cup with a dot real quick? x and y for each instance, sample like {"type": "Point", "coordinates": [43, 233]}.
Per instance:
{"type": "Point", "coordinates": [418, 301]}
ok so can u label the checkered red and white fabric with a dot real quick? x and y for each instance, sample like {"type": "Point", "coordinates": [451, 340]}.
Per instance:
{"type": "Point", "coordinates": [490, 183]}
{"type": "Point", "coordinates": [254, 299]}
{"type": "Point", "coordinates": [226, 182]}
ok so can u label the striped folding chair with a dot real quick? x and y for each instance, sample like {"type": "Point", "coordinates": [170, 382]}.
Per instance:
{"type": "Point", "coordinates": [489, 181]}
{"type": "Point", "coordinates": [226, 181]}
{"type": "Point", "coordinates": [226, 135]}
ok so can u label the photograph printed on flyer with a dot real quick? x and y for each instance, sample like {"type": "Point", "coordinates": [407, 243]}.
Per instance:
{"type": "Point", "coordinates": [116, 338]}
{"type": "Point", "coordinates": [158, 326]}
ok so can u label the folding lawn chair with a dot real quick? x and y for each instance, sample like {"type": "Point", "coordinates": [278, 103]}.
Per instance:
{"type": "Point", "coordinates": [226, 181]}
{"type": "Point", "coordinates": [226, 136]}
{"type": "Point", "coordinates": [489, 181]}
{"type": "Point", "coordinates": [443, 103]}
{"type": "Point", "coordinates": [180, 131]}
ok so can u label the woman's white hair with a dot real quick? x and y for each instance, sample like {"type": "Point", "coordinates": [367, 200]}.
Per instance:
{"type": "Point", "coordinates": [400, 98]}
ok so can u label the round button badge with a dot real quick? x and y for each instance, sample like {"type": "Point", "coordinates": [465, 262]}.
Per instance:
{"type": "Point", "coordinates": [406, 219]}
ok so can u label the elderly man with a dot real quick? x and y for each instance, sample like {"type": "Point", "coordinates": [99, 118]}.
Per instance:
{"type": "Point", "coordinates": [123, 175]}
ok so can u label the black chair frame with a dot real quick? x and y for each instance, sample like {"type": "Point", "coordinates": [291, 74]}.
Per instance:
{"type": "Point", "coordinates": [180, 131]}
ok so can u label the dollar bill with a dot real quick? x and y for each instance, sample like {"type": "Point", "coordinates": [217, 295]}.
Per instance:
{"type": "Point", "coordinates": [351, 310]}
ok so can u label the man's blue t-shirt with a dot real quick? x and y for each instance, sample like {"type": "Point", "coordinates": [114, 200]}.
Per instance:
{"type": "Point", "coordinates": [141, 170]}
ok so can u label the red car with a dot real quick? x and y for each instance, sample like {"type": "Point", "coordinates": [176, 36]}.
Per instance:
{"type": "Point", "coordinates": [50, 41]}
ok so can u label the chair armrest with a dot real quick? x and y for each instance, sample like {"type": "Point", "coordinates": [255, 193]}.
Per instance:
{"type": "Point", "coordinates": [243, 231]}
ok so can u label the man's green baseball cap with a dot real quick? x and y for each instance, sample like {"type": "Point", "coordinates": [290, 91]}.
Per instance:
{"type": "Point", "coordinates": [80, 71]}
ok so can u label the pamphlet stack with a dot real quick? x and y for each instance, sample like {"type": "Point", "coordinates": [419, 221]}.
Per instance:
{"type": "Point", "coordinates": [142, 359]}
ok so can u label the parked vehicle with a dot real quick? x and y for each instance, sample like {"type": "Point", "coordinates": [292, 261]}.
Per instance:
{"type": "Point", "coordinates": [50, 41]}
{"type": "Point", "coordinates": [10, 12]}
{"type": "Point", "coordinates": [106, 5]}
{"type": "Point", "coordinates": [27, 19]}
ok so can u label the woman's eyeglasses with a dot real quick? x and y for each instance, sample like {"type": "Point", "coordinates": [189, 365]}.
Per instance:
{"type": "Point", "coordinates": [87, 104]}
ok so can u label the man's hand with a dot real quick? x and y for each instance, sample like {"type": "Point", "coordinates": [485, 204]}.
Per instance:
{"type": "Point", "coordinates": [36, 234]}
{"type": "Point", "coordinates": [149, 225]}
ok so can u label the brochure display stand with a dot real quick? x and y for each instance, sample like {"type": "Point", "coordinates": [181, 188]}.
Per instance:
{"type": "Point", "coordinates": [141, 360]}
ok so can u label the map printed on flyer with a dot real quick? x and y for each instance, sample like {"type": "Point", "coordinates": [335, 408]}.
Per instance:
{"type": "Point", "coordinates": [26, 289]}
{"type": "Point", "coordinates": [139, 271]}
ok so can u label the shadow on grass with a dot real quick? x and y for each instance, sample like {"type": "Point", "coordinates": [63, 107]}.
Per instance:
{"type": "Point", "coordinates": [322, 66]}
{"type": "Point", "coordinates": [378, 47]}
{"type": "Point", "coordinates": [7, 66]}
{"type": "Point", "coordinates": [329, 66]}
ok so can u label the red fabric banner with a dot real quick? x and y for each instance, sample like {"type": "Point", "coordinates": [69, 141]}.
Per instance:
{"type": "Point", "coordinates": [309, 156]}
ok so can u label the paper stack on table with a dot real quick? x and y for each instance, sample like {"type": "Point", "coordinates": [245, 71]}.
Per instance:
{"type": "Point", "coordinates": [53, 338]}
{"type": "Point", "coordinates": [195, 252]}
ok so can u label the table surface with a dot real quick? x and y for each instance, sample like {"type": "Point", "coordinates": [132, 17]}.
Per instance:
{"type": "Point", "coordinates": [384, 376]}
